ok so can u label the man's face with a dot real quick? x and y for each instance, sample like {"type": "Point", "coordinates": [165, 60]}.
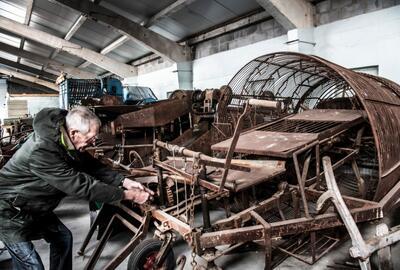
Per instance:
{"type": "Point", "coordinates": [81, 141]}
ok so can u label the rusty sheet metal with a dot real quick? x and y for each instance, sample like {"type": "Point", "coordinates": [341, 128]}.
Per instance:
{"type": "Point", "coordinates": [154, 115]}
{"type": "Point", "coordinates": [268, 143]}
{"type": "Point", "coordinates": [307, 80]}
{"type": "Point", "coordinates": [325, 115]}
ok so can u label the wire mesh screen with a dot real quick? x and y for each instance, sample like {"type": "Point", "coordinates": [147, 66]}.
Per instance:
{"type": "Point", "coordinates": [300, 81]}
{"type": "Point", "coordinates": [73, 91]}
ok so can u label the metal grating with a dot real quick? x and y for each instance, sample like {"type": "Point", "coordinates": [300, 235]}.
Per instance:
{"type": "Point", "coordinates": [300, 126]}
{"type": "Point", "coordinates": [72, 91]}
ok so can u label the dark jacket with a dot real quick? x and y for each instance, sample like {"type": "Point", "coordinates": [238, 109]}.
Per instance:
{"type": "Point", "coordinates": [42, 172]}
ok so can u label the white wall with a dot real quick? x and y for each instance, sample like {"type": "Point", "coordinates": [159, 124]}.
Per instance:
{"type": "Point", "coordinates": [218, 69]}
{"type": "Point", "coordinates": [35, 104]}
{"type": "Point", "coordinates": [160, 81]}
{"type": "Point", "coordinates": [365, 40]}
{"type": "Point", "coordinates": [3, 94]}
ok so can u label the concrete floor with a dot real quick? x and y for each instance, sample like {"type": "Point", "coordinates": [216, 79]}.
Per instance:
{"type": "Point", "coordinates": [75, 215]}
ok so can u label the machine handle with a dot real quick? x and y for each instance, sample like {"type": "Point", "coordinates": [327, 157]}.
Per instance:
{"type": "Point", "coordinates": [265, 103]}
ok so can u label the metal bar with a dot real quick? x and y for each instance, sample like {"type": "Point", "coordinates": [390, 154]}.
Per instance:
{"type": "Point", "coordinates": [171, 222]}
{"type": "Point", "coordinates": [267, 239]}
{"type": "Point", "coordinates": [287, 227]}
{"type": "Point", "coordinates": [128, 248]}
{"type": "Point", "coordinates": [234, 141]}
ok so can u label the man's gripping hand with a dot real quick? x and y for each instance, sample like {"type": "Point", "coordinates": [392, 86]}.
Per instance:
{"type": "Point", "coordinates": [136, 195]}
{"type": "Point", "coordinates": [136, 192]}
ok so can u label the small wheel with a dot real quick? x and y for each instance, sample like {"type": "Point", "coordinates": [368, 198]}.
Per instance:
{"type": "Point", "coordinates": [144, 256]}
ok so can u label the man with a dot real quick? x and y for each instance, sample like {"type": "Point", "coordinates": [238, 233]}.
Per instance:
{"type": "Point", "coordinates": [51, 164]}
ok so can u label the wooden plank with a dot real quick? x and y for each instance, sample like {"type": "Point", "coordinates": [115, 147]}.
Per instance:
{"type": "Point", "coordinates": [17, 108]}
{"type": "Point", "coordinates": [271, 143]}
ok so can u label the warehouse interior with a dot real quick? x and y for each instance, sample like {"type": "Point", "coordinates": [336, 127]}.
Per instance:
{"type": "Point", "coordinates": [265, 133]}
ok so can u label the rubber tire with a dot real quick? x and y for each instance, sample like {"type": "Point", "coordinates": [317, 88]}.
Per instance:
{"type": "Point", "coordinates": [146, 247]}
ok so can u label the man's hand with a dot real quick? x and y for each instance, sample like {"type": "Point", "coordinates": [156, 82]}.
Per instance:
{"type": "Point", "coordinates": [136, 195]}
{"type": "Point", "coordinates": [130, 184]}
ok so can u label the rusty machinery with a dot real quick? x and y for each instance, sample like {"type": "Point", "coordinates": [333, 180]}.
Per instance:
{"type": "Point", "coordinates": [14, 131]}
{"type": "Point", "coordinates": [269, 179]}
{"type": "Point", "coordinates": [186, 117]}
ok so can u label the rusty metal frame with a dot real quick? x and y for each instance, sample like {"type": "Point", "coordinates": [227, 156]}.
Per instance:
{"type": "Point", "coordinates": [139, 234]}
{"type": "Point", "coordinates": [235, 229]}
{"type": "Point", "coordinates": [379, 97]}
{"type": "Point", "coordinates": [301, 82]}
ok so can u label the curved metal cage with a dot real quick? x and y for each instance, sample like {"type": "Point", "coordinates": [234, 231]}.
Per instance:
{"type": "Point", "coordinates": [308, 82]}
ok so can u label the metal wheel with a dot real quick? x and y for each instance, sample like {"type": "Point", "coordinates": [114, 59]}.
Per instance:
{"type": "Point", "coordinates": [144, 256]}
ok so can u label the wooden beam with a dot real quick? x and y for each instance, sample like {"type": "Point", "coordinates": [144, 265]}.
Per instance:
{"type": "Point", "coordinates": [27, 69]}
{"type": "Point", "coordinates": [145, 37]}
{"type": "Point", "coordinates": [290, 14]}
{"type": "Point", "coordinates": [118, 42]}
{"type": "Point", "coordinates": [74, 28]}
{"type": "Point", "coordinates": [245, 21]}
{"type": "Point", "coordinates": [28, 16]}
{"type": "Point", "coordinates": [51, 64]}
{"type": "Point", "coordinates": [48, 92]}
{"type": "Point", "coordinates": [121, 69]}
{"type": "Point", "coordinates": [168, 11]}
{"type": "Point", "coordinates": [28, 78]}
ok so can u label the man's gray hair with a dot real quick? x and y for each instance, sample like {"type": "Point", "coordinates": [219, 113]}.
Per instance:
{"type": "Point", "coordinates": [81, 118]}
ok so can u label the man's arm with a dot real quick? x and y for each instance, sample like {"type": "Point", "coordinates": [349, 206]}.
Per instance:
{"type": "Point", "coordinates": [58, 173]}
{"type": "Point", "coordinates": [97, 169]}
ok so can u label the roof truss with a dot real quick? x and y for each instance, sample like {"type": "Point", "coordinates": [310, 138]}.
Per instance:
{"type": "Point", "coordinates": [290, 14]}
{"type": "Point", "coordinates": [145, 37]}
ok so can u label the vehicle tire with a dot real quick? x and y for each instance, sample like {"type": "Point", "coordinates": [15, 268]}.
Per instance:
{"type": "Point", "coordinates": [144, 255]}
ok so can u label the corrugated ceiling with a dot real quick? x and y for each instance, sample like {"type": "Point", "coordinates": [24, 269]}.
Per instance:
{"type": "Point", "coordinates": [56, 19]}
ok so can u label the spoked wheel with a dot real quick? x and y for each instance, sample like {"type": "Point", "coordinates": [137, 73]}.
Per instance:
{"type": "Point", "coordinates": [144, 256]}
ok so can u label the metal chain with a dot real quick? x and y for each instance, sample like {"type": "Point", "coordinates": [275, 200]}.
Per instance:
{"type": "Point", "coordinates": [195, 171]}
{"type": "Point", "coordinates": [195, 167]}
{"type": "Point", "coordinates": [176, 181]}
{"type": "Point", "coordinates": [185, 187]}
{"type": "Point", "coordinates": [193, 263]}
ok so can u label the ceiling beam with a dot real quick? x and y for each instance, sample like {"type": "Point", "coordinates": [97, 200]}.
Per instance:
{"type": "Point", "coordinates": [28, 16]}
{"type": "Point", "coordinates": [145, 37]}
{"type": "Point", "coordinates": [116, 43]}
{"type": "Point", "coordinates": [168, 11]}
{"type": "Point", "coordinates": [51, 64]}
{"type": "Point", "coordinates": [74, 28]}
{"type": "Point", "coordinates": [47, 92]}
{"type": "Point", "coordinates": [29, 69]}
{"type": "Point", "coordinates": [225, 28]}
{"type": "Point", "coordinates": [28, 78]}
{"type": "Point", "coordinates": [290, 14]}
{"type": "Point", "coordinates": [118, 68]}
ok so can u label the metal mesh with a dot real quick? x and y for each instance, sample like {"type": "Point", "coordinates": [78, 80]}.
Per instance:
{"type": "Point", "coordinates": [73, 91]}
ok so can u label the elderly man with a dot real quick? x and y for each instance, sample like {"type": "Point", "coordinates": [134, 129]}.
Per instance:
{"type": "Point", "coordinates": [51, 164]}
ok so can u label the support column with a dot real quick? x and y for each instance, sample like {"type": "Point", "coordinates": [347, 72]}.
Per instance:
{"type": "Point", "coordinates": [301, 40]}
{"type": "Point", "coordinates": [3, 99]}
{"type": "Point", "coordinates": [185, 75]}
